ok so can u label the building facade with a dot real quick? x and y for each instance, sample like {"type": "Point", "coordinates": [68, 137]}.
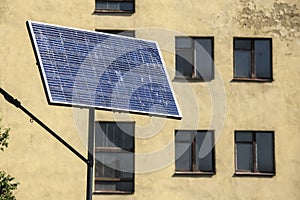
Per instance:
{"type": "Point", "coordinates": [234, 69]}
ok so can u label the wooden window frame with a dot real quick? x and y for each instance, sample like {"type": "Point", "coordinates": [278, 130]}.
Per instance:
{"type": "Point", "coordinates": [114, 150]}
{"type": "Point", "coordinates": [255, 171]}
{"type": "Point", "coordinates": [194, 171]}
{"type": "Point", "coordinates": [117, 10]}
{"type": "Point", "coordinates": [194, 76]}
{"type": "Point", "coordinates": [253, 77]}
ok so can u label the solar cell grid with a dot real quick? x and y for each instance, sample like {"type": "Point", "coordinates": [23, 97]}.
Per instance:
{"type": "Point", "coordinates": [92, 69]}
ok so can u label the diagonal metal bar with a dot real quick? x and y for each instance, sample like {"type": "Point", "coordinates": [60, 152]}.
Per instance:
{"type": "Point", "coordinates": [18, 104]}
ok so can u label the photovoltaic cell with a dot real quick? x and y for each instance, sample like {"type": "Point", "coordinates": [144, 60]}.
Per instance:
{"type": "Point", "coordinates": [105, 71]}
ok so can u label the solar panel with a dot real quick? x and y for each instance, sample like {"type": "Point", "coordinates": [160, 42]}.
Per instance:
{"type": "Point", "coordinates": [100, 70]}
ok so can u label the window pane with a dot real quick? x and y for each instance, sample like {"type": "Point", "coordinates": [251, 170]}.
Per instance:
{"type": "Point", "coordinates": [205, 43]}
{"type": "Point", "coordinates": [105, 186]}
{"type": "Point", "coordinates": [184, 62]}
{"type": "Point", "coordinates": [114, 165]}
{"type": "Point", "coordinates": [126, 6]}
{"type": "Point", "coordinates": [184, 42]}
{"type": "Point", "coordinates": [114, 186]}
{"type": "Point", "coordinates": [242, 65]}
{"type": "Point", "coordinates": [101, 5]}
{"type": "Point", "coordinates": [183, 156]}
{"type": "Point", "coordinates": [244, 159]}
{"type": "Point", "coordinates": [114, 5]}
{"type": "Point", "coordinates": [185, 136]}
{"type": "Point", "coordinates": [204, 62]}
{"type": "Point", "coordinates": [183, 149]}
{"type": "Point", "coordinates": [204, 151]}
{"type": "Point", "coordinates": [101, 138]}
{"type": "Point", "coordinates": [127, 33]}
{"type": "Point", "coordinates": [243, 136]}
{"type": "Point", "coordinates": [125, 186]}
{"type": "Point", "coordinates": [242, 44]}
{"type": "Point", "coordinates": [265, 154]}
{"type": "Point", "coordinates": [263, 59]}
{"type": "Point", "coordinates": [114, 135]}
{"type": "Point", "coordinates": [125, 133]}
{"type": "Point", "coordinates": [102, 170]}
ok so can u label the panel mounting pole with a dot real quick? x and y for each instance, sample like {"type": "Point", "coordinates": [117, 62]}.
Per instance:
{"type": "Point", "coordinates": [90, 165]}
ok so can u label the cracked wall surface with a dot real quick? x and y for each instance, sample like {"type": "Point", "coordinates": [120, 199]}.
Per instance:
{"type": "Point", "coordinates": [3, 10]}
{"type": "Point", "coordinates": [281, 19]}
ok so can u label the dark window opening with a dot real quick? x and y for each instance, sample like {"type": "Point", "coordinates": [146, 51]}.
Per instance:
{"type": "Point", "coordinates": [194, 152]}
{"type": "Point", "coordinates": [254, 151]}
{"type": "Point", "coordinates": [115, 6]}
{"type": "Point", "coordinates": [128, 33]}
{"type": "Point", "coordinates": [194, 58]}
{"type": "Point", "coordinates": [114, 157]}
{"type": "Point", "coordinates": [253, 59]}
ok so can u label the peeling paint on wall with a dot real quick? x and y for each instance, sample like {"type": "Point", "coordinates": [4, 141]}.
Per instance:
{"type": "Point", "coordinates": [3, 10]}
{"type": "Point", "coordinates": [282, 19]}
{"type": "Point", "coordinates": [3, 7]}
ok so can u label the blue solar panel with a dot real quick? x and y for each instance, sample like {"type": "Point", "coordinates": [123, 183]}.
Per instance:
{"type": "Point", "coordinates": [105, 71]}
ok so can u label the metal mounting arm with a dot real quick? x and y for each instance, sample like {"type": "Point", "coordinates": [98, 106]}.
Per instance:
{"type": "Point", "coordinates": [17, 103]}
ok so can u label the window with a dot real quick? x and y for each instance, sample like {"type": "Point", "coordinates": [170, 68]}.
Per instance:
{"type": "Point", "coordinates": [253, 59]}
{"type": "Point", "coordinates": [194, 152]}
{"type": "Point", "coordinates": [114, 157]}
{"type": "Point", "coordinates": [128, 33]}
{"type": "Point", "coordinates": [194, 58]}
{"type": "Point", "coordinates": [254, 152]}
{"type": "Point", "coordinates": [115, 6]}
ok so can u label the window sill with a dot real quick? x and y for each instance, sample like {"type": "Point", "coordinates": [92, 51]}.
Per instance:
{"type": "Point", "coordinates": [251, 80]}
{"type": "Point", "coordinates": [112, 193]}
{"type": "Point", "coordinates": [193, 174]}
{"type": "Point", "coordinates": [258, 174]}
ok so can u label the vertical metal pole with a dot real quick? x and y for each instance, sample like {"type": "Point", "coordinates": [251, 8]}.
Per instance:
{"type": "Point", "coordinates": [90, 165]}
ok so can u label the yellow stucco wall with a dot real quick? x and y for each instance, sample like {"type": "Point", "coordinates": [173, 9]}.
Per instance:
{"type": "Point", "coordinates": [47, 170]}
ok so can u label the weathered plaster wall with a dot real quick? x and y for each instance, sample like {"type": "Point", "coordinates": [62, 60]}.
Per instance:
{"type": "Point", "coordinates": [46, 170]}
{"type": "Point", "coordinates": [281, 18]}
